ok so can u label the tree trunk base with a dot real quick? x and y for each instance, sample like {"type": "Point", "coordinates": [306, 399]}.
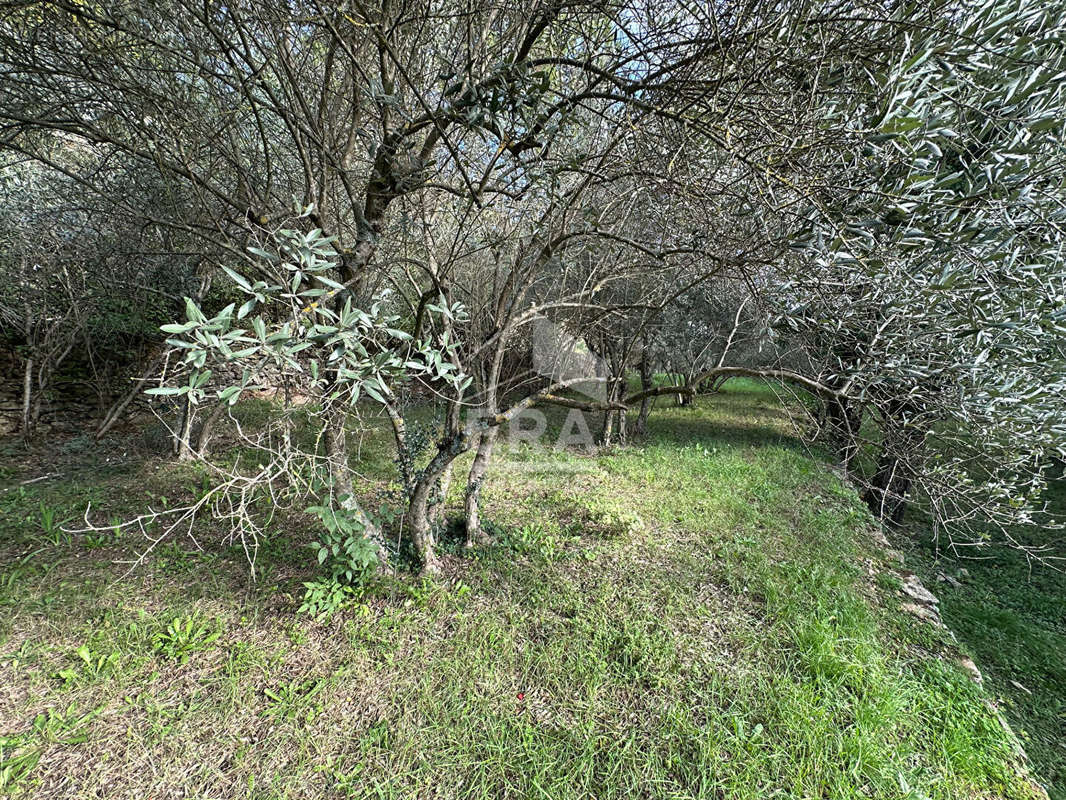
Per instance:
{"type": "Point", "coordinates": [477, 538]}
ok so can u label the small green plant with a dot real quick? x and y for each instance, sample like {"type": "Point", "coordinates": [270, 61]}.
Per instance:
{"type": "Point", "coordinates": [419, 594]}
{"type": "Point", "coordinates": [533, 539]}
{"type": "Point", "coordinates": [78, 446]}
{"type": "Point", "coordinates": [343, 550]}
{"type": "Point", "coordinates": [889, 581]}
{"type": "Point", "coordinates": [88, 664]}
{"type": "Point", "coordinates": [51, 527]}
{"type": "Point", "coordinates": [21, 567]}
{"type": "Point", "coordinates": [160, 499]}
{"type": "Point", "coordinates": [157, 503]}
{"type": "Point", "coordinates": [288, 699]}
{"type": "Point", "coordinates": [241, 658]}
{"type": "Point", "coordinates": [609, 522]}
{"type": "Point", "coordinates": [348, 558]}
{"type": "Point", "coordinates": [20, 753]}
{"type": "Point", "coordinates": [96, 539]}
{"type": "Point", "coordinates": [324, 597]}
{"type": "Point", "coordinates": [64, 726]}
{"type": "Point", "coordinates": [16, 761]}
{"type": "Point", "coordinates": [185, 636]}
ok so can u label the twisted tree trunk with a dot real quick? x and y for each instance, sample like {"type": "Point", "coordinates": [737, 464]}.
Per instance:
{"type": "Point", "coordinates": [418, 517]}
{"type": "Point", "coordinates": [340, 471]}
{"type": "Point", "coordinates": [890, 486]}
{"type": "Point", "coordinates": [474, 533]}
{"type": "Point", "coordinates": [203, 438]}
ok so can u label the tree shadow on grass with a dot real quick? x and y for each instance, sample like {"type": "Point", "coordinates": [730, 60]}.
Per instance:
{"type": "Point", "coordinates": [731, 420]}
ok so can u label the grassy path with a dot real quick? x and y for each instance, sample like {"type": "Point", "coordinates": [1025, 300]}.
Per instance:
{"type": "Point", "coordinates": [701, 615]}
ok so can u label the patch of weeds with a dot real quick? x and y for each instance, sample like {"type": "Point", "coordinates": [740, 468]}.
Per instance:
{"type": "Point", "coordinates": [170, 558]}
{"type": "Point", "coordinates": [161, 501]}
{"type": "Point", "coordinates": [103, 538]}
{"type": "Point", "coordinates": [20, 753]}
{"type": "Point", "coordinates": [461, 590]}
{"type": "Point", "coordinates": [14, 505]}
{"type": "Point", "coordinates": [375, 743]}
{"type": "Point", "coordinates": [325, 597]}
{"type": "Point", "coordinates": [364, 631]}
{"type": "Point", "coordinates": [89, 665]}
{"type": "Point", "coordinates": [419, 594]}
{"type": "Point", "coordinates": [297, 633]}
{"type": "Point", "coordinates": [51, 526]}
{"type": "Point", "coordinates": [598, 515]}
{"type": "Point", "coordinates": [26, 654]}
{"type": "Point", "coordinates": [253, 412]}
{"type": "Point", "coordinates": [534, 540]}
{"type": "Point", "coordinates": [889, 582]}
{"type": "Point", "coordinates": [348, 558]}
{"type": "Point", "coordinates": [493, 529]}
{"type": "Point", "coordinates": [155, 438]}
{"type": "Point", "coordinates": [166, 717]}
{"type": "Point", "coordinates": [185, 636]}
{"type": "Point", "coordinates": [66, 726]}
{"type": "Point", "coordinates": [294, 699]}
{"type": "Point", "coordinates": [79, 446]}
{"type": "Point", "coordinates": [12, 448]}
{"type": "Point", "coordinates": [451, 536]}
{"type": "Point", "coordinates": [242, 658]}
{"type": "Point", "coordinates": [635, 650]}
{"type": "Point", "coordinates": [608, 522]}
{"type": "Point", "coordinates": [271, 551]}
{"type": "Point", "coordinates": [451, 539]}
{"type": "Point", "coordinates": [16, 761]}
{"type": "Point", "coordinates": [23, 567]}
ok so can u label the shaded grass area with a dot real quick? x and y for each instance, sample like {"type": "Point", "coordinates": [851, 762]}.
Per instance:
{"type": "Point", "coordinates": [1011, 616]}
{"type": "Point", "coordinates": [702, 614]}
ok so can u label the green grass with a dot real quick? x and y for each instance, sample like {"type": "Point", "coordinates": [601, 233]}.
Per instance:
{"type": "Point", "coordinates": [705, 613]}
{"type": "Point", "coordinates": [1011, 616]}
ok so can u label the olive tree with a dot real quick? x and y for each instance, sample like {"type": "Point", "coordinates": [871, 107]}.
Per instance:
{"type": "Point", "coordinates": [931, 288]}
{"type": "Point", "coordinates": [241, 108]}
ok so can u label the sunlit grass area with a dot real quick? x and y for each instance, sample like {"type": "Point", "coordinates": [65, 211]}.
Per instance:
{"type": "Point", "coordinates": [704, 613]}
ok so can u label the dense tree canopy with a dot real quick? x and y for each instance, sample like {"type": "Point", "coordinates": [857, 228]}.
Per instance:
{"type": "Point", "coordinates": [373, 205]}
